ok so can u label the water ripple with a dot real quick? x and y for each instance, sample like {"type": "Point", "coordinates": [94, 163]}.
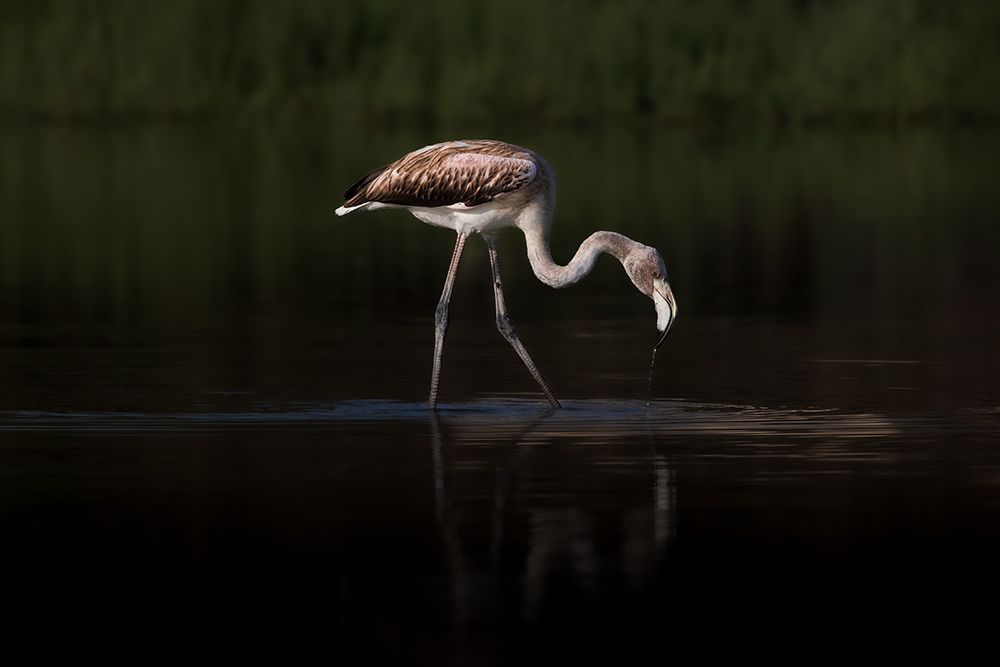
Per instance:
{"type": "Point", "coordinates": [580, 418]}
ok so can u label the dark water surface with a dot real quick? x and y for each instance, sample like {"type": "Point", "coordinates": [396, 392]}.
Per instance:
{"type": "Point", "coordinates": [212, 423]}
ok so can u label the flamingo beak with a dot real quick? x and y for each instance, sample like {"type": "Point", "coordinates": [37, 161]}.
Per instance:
{"type": "Point", "coordinates": [666, 309]}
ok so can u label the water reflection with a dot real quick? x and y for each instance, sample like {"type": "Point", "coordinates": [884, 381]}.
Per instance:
{"type": "Point", "coordinates": [561, 539]}
{"type": "Point", "coordinates": [453, 531]}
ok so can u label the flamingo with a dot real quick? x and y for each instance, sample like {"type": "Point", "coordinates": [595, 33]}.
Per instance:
{"type": "Point", "coordinates": [484, 186]}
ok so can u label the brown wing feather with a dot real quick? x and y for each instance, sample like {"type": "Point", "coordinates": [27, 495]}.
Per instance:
{"type": "Point", "coordinates": [362, 182]}
{"type": "Point", "coordinates": [458, 172]}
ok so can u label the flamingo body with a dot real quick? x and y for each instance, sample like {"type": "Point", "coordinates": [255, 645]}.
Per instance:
{"type": "Point", "coordinates": [484, 186]}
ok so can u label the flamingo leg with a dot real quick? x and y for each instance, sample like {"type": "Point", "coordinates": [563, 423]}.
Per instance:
{"type": "Point", "coordinates": [441, 318]}
{"type": "Point", "coordinates": [506, 325]}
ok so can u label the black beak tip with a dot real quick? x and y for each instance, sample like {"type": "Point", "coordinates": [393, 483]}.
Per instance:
{"type": "Point", "coordinates": [662, 336]}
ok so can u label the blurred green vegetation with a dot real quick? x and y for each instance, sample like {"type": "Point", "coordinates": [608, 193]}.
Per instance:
{"type": "Point", "coordinates": [453, 61]}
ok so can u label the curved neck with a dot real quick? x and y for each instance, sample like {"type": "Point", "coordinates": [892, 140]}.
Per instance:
{"type": "Point", "coordinates": [554, 275]}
